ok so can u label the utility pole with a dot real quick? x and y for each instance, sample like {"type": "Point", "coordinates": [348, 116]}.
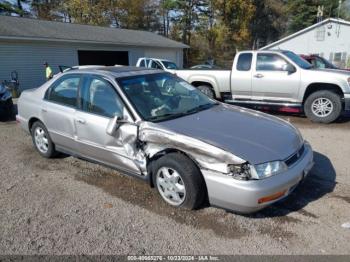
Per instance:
{"type": "Point", "coordinates": [339, 7]}
{"type": "Point", "coordinates": [337, 31]}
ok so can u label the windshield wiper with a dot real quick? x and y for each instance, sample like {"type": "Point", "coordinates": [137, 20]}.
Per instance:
{"type": "Point", "coordinates": [201, 108]}
{"type": "Point", "coordinates": [169, 116]}
{"type": "Point", "coordinates": [166, 116]}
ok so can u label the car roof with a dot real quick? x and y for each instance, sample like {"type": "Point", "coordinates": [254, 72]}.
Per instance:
{"type": "Point", "coordinates": [158, 59]}
{"type": "Point", "coordinates": [115, 71]}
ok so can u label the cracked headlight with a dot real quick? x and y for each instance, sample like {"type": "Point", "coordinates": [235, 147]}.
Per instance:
{"type": "Point", "coordinates": [240, 172]}
{"type": "Point", "coordinates": [265, 170]}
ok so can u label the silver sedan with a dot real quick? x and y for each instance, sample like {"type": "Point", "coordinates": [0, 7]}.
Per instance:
{"type": "Point", "coordinates": [157, 127]}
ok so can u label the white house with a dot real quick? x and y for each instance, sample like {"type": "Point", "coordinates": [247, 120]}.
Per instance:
{"type": "Point", "coordinates": [329, 38]}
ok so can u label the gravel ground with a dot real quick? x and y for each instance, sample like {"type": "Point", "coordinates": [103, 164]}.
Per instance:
{"type": "Point", "coordinates": [68, 206]}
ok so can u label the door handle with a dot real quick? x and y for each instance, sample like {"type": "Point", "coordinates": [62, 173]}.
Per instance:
{"type": "Point", "coordinates": [81, 121]}
{"type": "Point", "coordinates": [258, 76]}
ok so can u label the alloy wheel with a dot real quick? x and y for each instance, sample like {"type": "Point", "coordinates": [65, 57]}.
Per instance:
{"type": "Point", "coordinates": [41, 140]}
{"type": "Point", "coordinates": [171, 186]}
{"type": "Point", "coordinates": [322, 107]}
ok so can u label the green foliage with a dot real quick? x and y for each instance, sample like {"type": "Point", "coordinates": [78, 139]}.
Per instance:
{"type": "Point", "coordinates": [303, 13]}
{"type": "Point", "coordinates": [9, 8]}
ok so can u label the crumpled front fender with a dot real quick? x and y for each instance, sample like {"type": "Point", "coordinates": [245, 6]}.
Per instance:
{"type": "Point", "coordinates": [157, 139]}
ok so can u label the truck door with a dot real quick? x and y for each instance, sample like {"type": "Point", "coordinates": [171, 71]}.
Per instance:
{"type": "Point", "coordinates": [241, 77]}
{"type": "Point", "coordinates": [274, 80]}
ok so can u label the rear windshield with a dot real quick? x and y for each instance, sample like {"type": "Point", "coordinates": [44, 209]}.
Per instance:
{"type": "Point", "coordinates": [169, 65]}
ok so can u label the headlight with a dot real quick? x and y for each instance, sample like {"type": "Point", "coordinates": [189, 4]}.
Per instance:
{"type": "Point", "coordinates": [261, 171]}
{"type": "Point", "coordinates": [267, 169]}
{"type": "Point", "coordinates": [240, 172]}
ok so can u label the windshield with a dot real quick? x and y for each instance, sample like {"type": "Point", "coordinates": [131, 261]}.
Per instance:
{"type": "Point", "coordinates": [160, 97]}
{"type": "Point", "coordinates": [297, 59]}
{"type": "Point", "coordinates": [327, 63]}
{"type": "Point", "coordinates": [169, 65]}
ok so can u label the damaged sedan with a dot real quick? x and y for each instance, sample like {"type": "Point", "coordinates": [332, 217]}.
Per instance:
{"type": "Point", "coordinates": [157, 127]}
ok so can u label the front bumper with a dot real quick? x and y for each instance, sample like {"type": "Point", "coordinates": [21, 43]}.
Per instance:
{"type": "Point", "coordinates": [242, 196]}
{"type": "Point", "coordinates": [347, 102]}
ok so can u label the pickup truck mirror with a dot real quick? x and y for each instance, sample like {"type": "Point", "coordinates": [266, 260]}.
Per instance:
{"type": "Point", "coordinates": [289, 68]}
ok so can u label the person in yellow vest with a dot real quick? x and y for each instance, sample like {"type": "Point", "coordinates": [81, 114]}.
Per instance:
{"type": "Point", "coordinates": [48, 71]}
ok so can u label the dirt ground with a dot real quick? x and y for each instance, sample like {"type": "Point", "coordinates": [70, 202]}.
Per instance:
{"type": "Point", "coordinates": [68, 206]}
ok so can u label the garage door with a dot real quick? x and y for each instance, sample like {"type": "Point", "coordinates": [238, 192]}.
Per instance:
{"type": "Point", "coordinates": [108, 58]}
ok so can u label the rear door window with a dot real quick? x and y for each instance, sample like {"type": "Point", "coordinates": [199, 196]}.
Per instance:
{"type": "Point", "coordinates": [156, 65]}
{"type": "Point", "coordinates": [244, 62]}
{"type": "Point", "coordinates": [142, 63]}
{"type": "Point", "coordinates": [65, 90]}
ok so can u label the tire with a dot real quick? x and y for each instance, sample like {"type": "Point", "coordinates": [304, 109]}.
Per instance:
{"type": "Point", "coordinates": [42, 140]}
{"type": "Point", "coordinates": [330, 112]}
{"type": "Point", "coordinates": [190, 178]}
{"type": "Point", "coordinates": [207, 90]}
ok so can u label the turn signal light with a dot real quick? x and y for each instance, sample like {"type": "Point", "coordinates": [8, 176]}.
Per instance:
{"type": "Point", "coordinates": [271, 197]}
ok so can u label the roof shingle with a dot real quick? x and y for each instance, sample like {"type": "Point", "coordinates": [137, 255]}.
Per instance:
{"type": "Point", "coordinates": [28, 28]}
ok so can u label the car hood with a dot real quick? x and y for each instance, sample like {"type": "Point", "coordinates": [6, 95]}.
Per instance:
{"type": "Point", "coordinates": [250, 135]}
{"type": "Point", "coordinates": [333, 71]}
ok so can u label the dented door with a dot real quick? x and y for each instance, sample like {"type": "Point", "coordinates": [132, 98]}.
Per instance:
{"type": "Point", "coordinates": [99, 104]}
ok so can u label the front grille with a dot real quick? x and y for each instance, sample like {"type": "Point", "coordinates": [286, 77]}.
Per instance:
{"type": "Point", "coordinates": [294, 158]}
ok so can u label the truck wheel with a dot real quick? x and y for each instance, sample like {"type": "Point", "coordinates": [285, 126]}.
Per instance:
{"type": "Point", "coordinates": [207, 91]}
{"type": "Point", "coordinates": [42, 140]}
{"type": "Point", "coordinates": [179, 181]}
{"type": "Point", "coordinates": [323, 106]}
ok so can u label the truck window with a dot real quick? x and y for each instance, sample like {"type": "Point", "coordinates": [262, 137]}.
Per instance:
{"type": "Point", "coordinates": [270, 62]}
{"type": "Point", "coordinates": [156, 65]}
{"type": "Point", "coordinates": [244, 62]}
{"type": "Point", "coordinates": [142, 64]}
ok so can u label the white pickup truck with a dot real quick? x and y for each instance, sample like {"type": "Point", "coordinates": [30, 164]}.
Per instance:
{"type": "Point", "coordinates": [277, 78]}
{"type": "Point", "coordinates": [156, 63]}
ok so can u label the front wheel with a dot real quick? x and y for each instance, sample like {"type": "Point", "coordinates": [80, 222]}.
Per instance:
{"type": "Point", "coordinates": [207, 90]}
{"type": "Point", "coordinates": [323, 106]}
{"type": "Point", "coordinates": [179, 181]}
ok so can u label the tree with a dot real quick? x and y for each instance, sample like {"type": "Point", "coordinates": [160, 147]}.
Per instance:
{"type": "Point", "coordinates": [9, 8]}
{"type": "Point", "coordinates": [137, 14]}
{"type": "Point", "coordinates": [165, 7]}
{"type": "Point", "coordinates": [233, 27]}
{"type": "Point", "coordinates": [45, 9]}
{"type": "Point", "coordinates": [303, 13]}
{"type": "Point", "coordinates": [269, 22]}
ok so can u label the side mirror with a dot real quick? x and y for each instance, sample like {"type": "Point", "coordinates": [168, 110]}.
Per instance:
{"type": "Point", "coordinates": [115, 123]}
{"type": "Point", "coordinates": [289, 68]}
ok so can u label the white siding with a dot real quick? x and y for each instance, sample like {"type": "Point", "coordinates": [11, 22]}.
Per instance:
{"type": "Point", "coordinates": [336, 40]}
{"type": "Point", "coordinates": [27, 58]}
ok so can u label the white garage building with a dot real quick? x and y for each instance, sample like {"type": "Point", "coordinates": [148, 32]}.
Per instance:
{"type": "Point", "coordinates": [25, 44]}
{"type": "Point", "coordinates": [329, 39]}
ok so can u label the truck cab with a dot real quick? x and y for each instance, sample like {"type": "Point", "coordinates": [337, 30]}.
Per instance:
{"type": "Point", "coordinates": [156, 63]}
{"type": "Point", "coordinates": [277, 78]}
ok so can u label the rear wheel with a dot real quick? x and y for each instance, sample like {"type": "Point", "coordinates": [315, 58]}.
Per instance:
{"type": "Point", "coordinates": [207, 90]}
{"type": "Point", "coordinates": [179, 181]}
{"type": "Point", "coordinates": [42, 141]}
{"type": "Point", "coordinates": [323, 106]}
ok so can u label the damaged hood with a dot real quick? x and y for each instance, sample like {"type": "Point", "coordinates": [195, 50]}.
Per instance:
{"type": "Point", "coordinates": [250, 135]}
